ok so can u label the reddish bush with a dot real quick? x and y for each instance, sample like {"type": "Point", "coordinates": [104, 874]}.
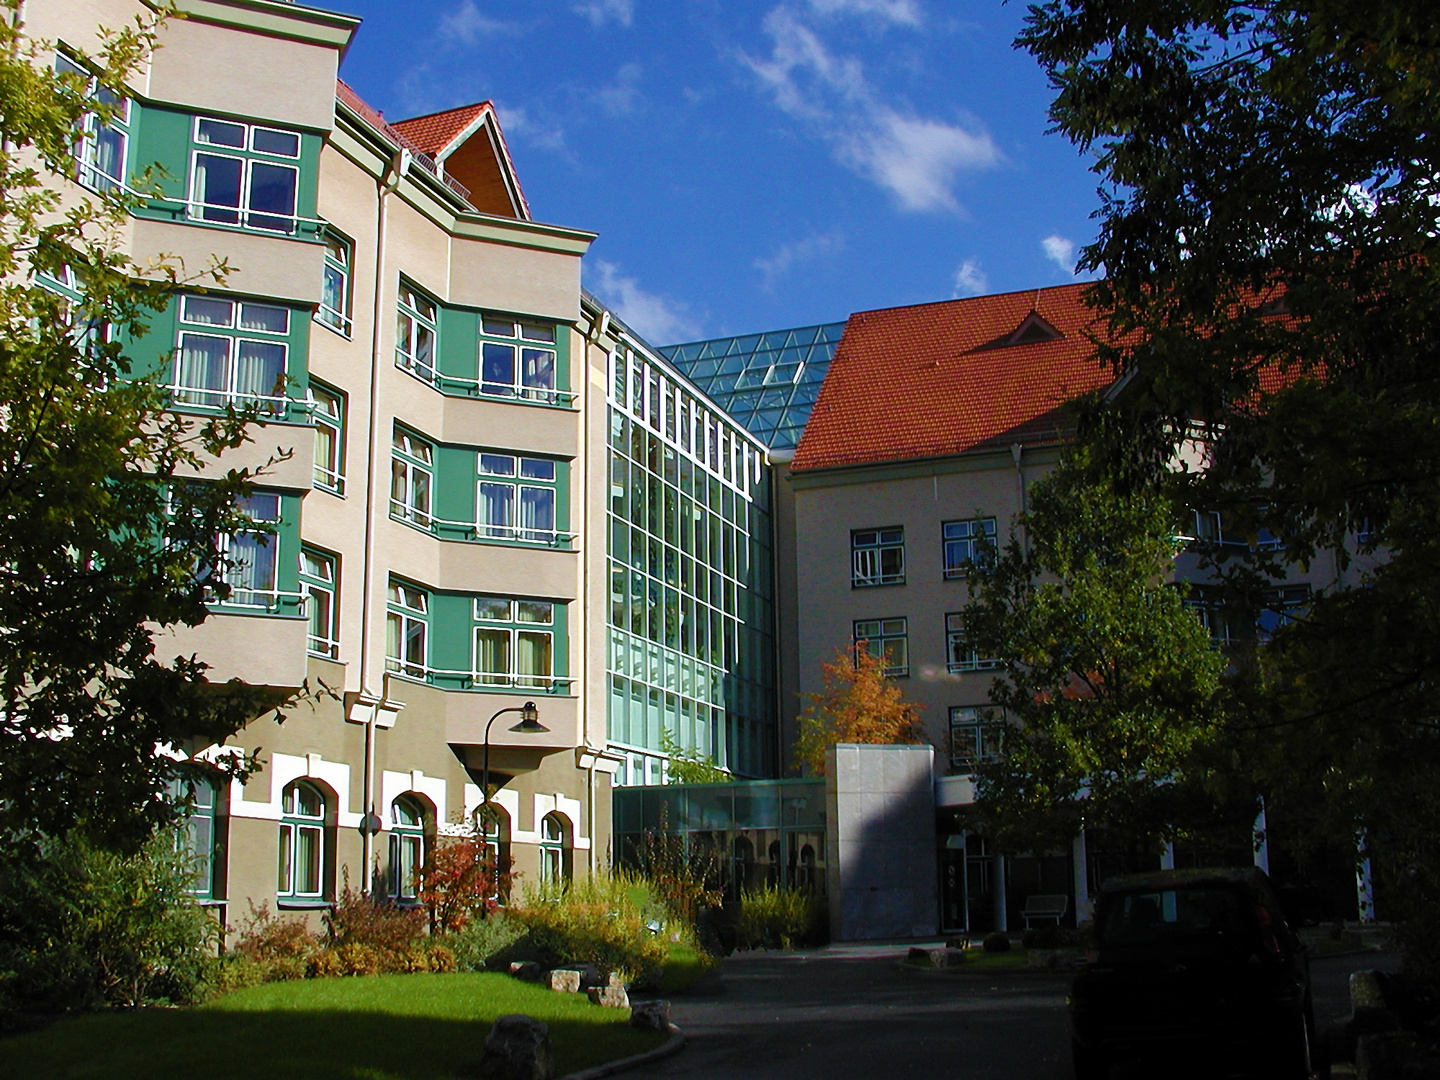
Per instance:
{"type": "Point", "coordinates": [461, 882]}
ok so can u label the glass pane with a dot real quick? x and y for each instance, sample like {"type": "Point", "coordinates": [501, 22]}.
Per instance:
{"type": "Point", "coordinates": [284, 883]}
{"type": "Point", "coordinates": [497, 464]}
{"type": "Point", "coordinates": [219, 133]}
{"type": "Point", "coordinates": [307, 861]}
{"type": "Point", "coordinates": [537, 513]}
{"type": "Point", "coordinates": [535, 469]}
{"type": "Point", "coordinates": [496, 509]}
{"type": "Point", "coordinates": [259, 506]}
{"type": "Point", "coordinates": [317, 566]}
{"type": "Point", "coordinates": [497, 368]}
{"type": "Point", "coordinates": [206, 311]}
{"type": "Point", "coordinates": [537, 332]}
{"type": "Point", "coordinates": [260, 369]}
{"type": "Point", "coordinates": [272, 191]}
{"type": "Point", "coordinates": [319, 602]}
{"type": "Point", "coordinates": [308, 802]}
{"type": "Point", "coordinates": [274, 320]}
{"type": "Point", "coordinates": [492, 655]}
{"type": "Point", "coordinates": [532, 657]}
{"type": "Point", "coordinates": [538, 369]}
{"type": "Point", "coordinates": [202, 370]}
{"type": "Point", "coordinates": [415, 645]}
{"type": "Point", "coordinates": [492, 608]}
{"type": "Point", "coordinates": [217, 185]}
{"type": "Point", "coordinates": [279, 143]}
{"type": "Point", "coordinates": [497, 325]}
{"type": "Point", "coordinates": [534, 611]}
{"type": "Point", "coordinates": [404, 812]}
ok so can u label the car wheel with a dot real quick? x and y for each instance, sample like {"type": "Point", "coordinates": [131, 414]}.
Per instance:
{"type": "Point", "coordinates": [1089, 1064]}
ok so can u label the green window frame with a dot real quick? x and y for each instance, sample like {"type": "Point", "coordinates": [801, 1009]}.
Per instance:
{"type": "Point", "coordinates": [961, 655]}
{"type": "Point", "coordinates": [327, 410]}
{"type": "Point", "coordinates": [417, 332]}
{"type": "Point", "coordinates": [412, 478]}
{"type": "Point", "coordinates": [334, 308]}
{"type": "Point", "coordinates": [302, 847]}
{"type": "Point", "coordinates": [102, 142]}
{"type": "Point", "coordinates": [519, 358]}
{"type": "Point", "coordinates": [518, 498]}
{"type": "Point", "coordinates": [230, 352]}
{"type": "Point", "coordinates": [198, 836]}
{"type": "Point", "coordinates": [319, 585]}
{"type": "Point", "coordinates": [964, 542]}
{"type": "Point", "coordinates": [515, 642]}
{"type": "Point", "coordinates": [877, 557]}
{"type": "Point", "coordinates": [252, 568]}
{"type": "Point", "coordinates": [409, 846]}
{"type": "Point", "coordinates": [407, 630]}
{"type": "Point", "coordinates": [244, 175]}
{"type": "Point", "coordinates": [888, 640]}
{"type": "Point", "coordinates": [555, 850]}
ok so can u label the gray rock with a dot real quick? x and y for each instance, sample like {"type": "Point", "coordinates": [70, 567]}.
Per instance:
{"type": "Point", "coordinates": [518, 1048]}
{"type": "Point", "coordinates": [917, 955]}
{"type": "Point", "coordinates": [615, 980]}
{"type": "Point", "coordinates": [564, 980]}
{"type": "Point", "coordinates": [527, 970]}
{"type": "Point", "coordinates": [609, 996]}
{"type": "Point", "coordinates": [650, 1015]}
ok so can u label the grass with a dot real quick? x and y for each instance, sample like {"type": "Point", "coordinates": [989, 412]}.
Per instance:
{"type": "Point", "coordinates": [683, 969]}
{"type": "Point", "coordinates": [385, 1027]}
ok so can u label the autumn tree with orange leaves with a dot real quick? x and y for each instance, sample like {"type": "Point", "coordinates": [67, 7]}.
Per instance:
{"type": "Point", "coordinates": [860, 704]}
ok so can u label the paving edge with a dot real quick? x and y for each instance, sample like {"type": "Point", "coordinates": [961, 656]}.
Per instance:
{"type": "Point", "coordinates": [672, 1046]}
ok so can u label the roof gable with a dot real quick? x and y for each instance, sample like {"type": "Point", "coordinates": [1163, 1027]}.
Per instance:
{"type": "Point", "coordinates": [935, 380]}
{"type": "Point", "coordinates": [468, 145]}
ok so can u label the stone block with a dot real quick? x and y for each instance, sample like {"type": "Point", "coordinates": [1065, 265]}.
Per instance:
{"type": "Point", "coordinates": [615, 981]}
{"type": "Point", "coordinates": [564, 981]}
{"type": "Point", "coordinates": [518, 1048]}
{"type": "Point", "coordinates": [527, 970]}
{"type": "Point", "coordinates": [609, 996]}
{"type": "Point", "coordinates": [650, 1015]}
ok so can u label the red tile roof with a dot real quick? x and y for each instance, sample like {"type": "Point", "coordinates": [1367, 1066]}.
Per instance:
{"type": "Point", "coordinates": [435, 132]}
{"type": "Point", "coordinates": [934, 380]}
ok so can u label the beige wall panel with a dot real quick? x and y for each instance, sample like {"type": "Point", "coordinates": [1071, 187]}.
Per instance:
{"type": "Point", "coordinates": [416, 248]}
{"type": "Point", "coordinates": [76, 22]}
{"type": "Point", "coordinates": [536, 428]}
{"type": "Point", "coordinates": [267, 449]}
{"type": "Point", "coordinates": [264, 650]}
{"type": "Point", "coordinates": [466, 715]}
{"type": "Point", "coordinates": [259, 265]}
{"type": "Point", "coordinates": [519, 279]}
{"type": "Point", "coordinates": [228, 70]}
{"type": "Point", "coordinates": [494, 568]}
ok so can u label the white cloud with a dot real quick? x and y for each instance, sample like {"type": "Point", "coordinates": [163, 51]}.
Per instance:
{"type": "Point", "coordinates": [621, 97]}
{"type": "Point", "coordinates": [469, 26]}
{"type": "Point", "coordinates": [970, 280]}
{"type": "Point", "coordinates": [523, 125]}
{"type": "Point", "coordinates": [1060, 251]}
{"type": "Point", "coordinates": [917, 159]}
{"type": "Point", "coordinates": [656, 319]}
{"type": "Point", "coordinates": [814, 246]}
{"type": "Point", "coordinates": [599, 12]}
{"type": "Point", "coordinates": [899, 12]}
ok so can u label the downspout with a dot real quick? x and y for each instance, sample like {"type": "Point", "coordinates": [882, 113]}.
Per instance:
{"type": "Point", "coordinates": [585, 422]}
{"type": "Point", "coordinates": [1017, 451]}
{"type": "Point", "coordinates": [388, 182]}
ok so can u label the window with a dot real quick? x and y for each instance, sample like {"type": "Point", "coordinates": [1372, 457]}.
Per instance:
{"type": "Point", "coordinates": [878, 557]}
{"type": "Point", "coordinates": [966, 542]}
{"type": "Point", "coordinates": [406, 630]}
{"type": "Point", "coordinates": [302, 842]}
{"type": "Point", "coordinates": [239, 359]}
{"type": "Point", "coordinates": [492, 829]}
{"type": "Point", "coordinates": [975, 735]}
{"type": "Point", "coordinates": [407, 848]}
{"type": "Point", "coordinates": [101, 143]}
{"type": "Point", "coordinates": [198, 833]}
{"type": "Point", "coordinates": [250, 557]}
{"type": "Point", "coordinates": [327, 407]}
{"type": "Point", "coordinates": [317, 586]}
{"type": "Point", "coordinates": [411, 477]}
{"type": "Point", "coordinates": [960, 649]}
{"type": "Point", "coordinates": [516, 498]}
{"type": "Point", "coordinates": [240, 174]}
{"type": "Point", "coordinates": [513, 643]}
{"type": "Point", "coordinates": [517, 358]}
{"type": "Point", "coordinates": [1282, 607]}
{"type": "Point", "coordinates": [554, 850]}
{"type": "Point", "coordinates": [415, 333]}
{"type": "Point", "coordinates": [886, 639]}
{"type": "Point", "coordinates": [334, 309]}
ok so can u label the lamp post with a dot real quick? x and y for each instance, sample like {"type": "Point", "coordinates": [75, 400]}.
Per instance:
{"type": "Point", "coordinates": [529, 725]}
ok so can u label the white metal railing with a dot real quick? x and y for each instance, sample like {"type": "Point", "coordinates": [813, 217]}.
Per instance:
{"type": "Point", "coordinates": [275, 597]}
{"type": "Point", "coordinates": [477, 680]}
{"type": "Point", "coordinates": [485, 388]}
{"type": "Point", "coordinates": [205, 398]}
{"type": "Point", "coordinates": [478, 530]}
{"type": "Point", "coordinates": [336, 320]}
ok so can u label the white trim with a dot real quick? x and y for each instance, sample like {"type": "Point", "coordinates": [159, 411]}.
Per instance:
{"type": "Point", "coordinates": [285, 768]}
{"type": "Point", "coordinates": [395, 784]}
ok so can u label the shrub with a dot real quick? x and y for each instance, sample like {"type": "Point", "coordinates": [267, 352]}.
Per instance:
{"type": "Point", "coordinates": [1050, 937]}
{"type": "Point", "coordinates": [593, 921]}
{"type": "Point", "coordinates": [391, 931]}
{"type": "Point", "coordinates": [996, 941]}
{"type": "Point", "coordinates": [83, 928]}
{"type": "Point", "coordinates": [772, 917]}
{"type": "Point", "coordinates": [460, 884]}
{"type": "Point", "coordinates": [480, 944]}
{"type": "Point", "coordinates": [683, 879]}
{"type": "Point", "coordinates": [271, 949]}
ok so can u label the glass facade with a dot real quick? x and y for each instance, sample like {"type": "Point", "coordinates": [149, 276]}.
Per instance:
{"type": "Point", "coordinates": [691, 630]}
{"type": "Point", "coordinates": [767, 382]}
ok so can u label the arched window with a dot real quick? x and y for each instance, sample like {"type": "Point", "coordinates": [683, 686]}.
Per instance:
{"type": "Point", "coordinates": [302, 842]}
{"type": "Point", "coordinates": [554, 850]}
{"type": "Point", "coordinates": [407, 848]}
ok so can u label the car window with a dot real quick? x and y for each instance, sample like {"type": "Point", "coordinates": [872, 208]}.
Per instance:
{"type": "Point", "coordinates": [1161, 915]}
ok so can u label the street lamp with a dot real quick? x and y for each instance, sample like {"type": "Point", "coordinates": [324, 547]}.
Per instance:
{"type": "Point", "coordinates": [529, 725]}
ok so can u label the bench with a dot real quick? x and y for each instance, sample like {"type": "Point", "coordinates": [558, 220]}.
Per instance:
{"type": "Point", "coordinates": [1045, 906]}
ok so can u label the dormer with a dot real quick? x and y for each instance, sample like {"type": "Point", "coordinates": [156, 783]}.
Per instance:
{"type": "Point", "coordinates": [1033, 330]}
{"type": "Point", "coordinates": [468, 146]}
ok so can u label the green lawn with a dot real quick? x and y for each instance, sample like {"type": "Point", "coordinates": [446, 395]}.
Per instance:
{"type": "Point", "coordinates": [386, 1027]}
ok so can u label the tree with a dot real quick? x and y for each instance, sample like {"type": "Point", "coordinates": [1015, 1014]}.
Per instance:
{"type": "Point", "coordinates": [101, 540]}
{"type": "Point", "coordinates": [859, 704]}
{"type": "Point", "coordinates": [689, 766]}
{"type": "Point", "coordinates": [1109, 687]}
{"type": "Point", "coordinates": [1268, 234]}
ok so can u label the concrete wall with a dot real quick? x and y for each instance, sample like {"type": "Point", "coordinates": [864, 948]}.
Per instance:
{"type": "Point", "coordinates": [880, 844]}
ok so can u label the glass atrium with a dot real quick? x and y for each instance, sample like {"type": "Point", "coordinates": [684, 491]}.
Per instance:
{"type": "Point", "coordinates": [766, 382]}
{"type": "Point", "coordinates": [691, 659]}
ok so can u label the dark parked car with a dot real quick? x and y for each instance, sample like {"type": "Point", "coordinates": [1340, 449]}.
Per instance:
{"type": "Point", "coordinates": [1187, 964]}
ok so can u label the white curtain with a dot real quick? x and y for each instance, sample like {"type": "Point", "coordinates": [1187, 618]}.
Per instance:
{"type": "Point", "coordinates": [202, 369]}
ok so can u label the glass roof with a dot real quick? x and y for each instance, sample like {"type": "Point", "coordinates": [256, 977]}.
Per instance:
{"type": "Point", "coordinates": [767, 382]}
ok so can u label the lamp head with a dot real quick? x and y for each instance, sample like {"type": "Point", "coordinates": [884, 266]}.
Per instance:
{"type": "Point", "coordinates": [529, 720]}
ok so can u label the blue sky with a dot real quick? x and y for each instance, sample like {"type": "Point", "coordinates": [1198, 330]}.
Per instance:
{"type": "Point", "coordinates": [757, 165]}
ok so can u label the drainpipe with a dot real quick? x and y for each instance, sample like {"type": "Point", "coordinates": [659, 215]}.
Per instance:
{"type": "Point", "coordinates": [1017, 451]}
{"type": "Point", "coordinates": [369, 704]}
